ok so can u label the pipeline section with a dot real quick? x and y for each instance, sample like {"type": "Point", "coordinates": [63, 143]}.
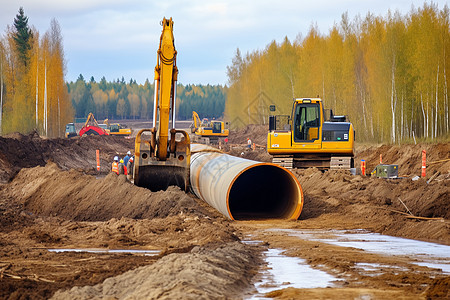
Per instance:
{"type": "Point", "coordinates": [243, 189]}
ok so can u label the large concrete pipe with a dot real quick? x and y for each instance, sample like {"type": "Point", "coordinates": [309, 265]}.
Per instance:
{"type": "Point", "coordinates": [243, 189]}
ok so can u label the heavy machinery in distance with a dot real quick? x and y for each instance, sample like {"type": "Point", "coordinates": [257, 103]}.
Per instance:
{"type": "Point", "coordinates": [91, 127]}
{"type": "Point", "coordinates": [304, 139]}
{"type": "Point", "coordinates": [207, 132]}
{"type": "Point", "coordinates": [70, 131]}
{"type": "Point", "coordinates": [116, 128]}
{"type": "Point", "coordinates": [160, 161]}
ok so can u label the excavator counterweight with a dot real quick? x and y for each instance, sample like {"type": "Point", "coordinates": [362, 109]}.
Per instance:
{"type": "Point", "coordinates": [162, 156]}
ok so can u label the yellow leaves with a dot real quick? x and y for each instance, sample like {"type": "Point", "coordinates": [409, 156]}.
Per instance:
{"type": "Point", "coordinates": [36, 96]}
{"type": "Point", "coordinates": [100, 97]}
{"type": "Point", "coordinates": [134, 103]}
{"type": "Point", "coordinates": [121, 108]}
{"type": "Point", "coordinates": [389, 75]}
{"type": "Point", "coordinates": [112, 95]}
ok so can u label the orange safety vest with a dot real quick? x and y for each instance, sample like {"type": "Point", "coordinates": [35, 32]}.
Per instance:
{"type": "Point", "coordinates": [115, 167]}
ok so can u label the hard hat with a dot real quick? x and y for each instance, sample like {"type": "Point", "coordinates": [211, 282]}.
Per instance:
{"type": "Point", "coordinates": [116, 158]}
{"type": "Point", "coordinates": [121, 161]}
{"type": "Point", "coordinates": [129, 152]}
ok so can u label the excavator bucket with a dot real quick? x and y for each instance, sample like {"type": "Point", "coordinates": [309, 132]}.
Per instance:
{"type": "Point", "coordinates": [155, 174]}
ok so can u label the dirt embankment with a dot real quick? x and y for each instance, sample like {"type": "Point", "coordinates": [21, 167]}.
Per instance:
{"type": "Point", "coordinates": [19, 151]}
{"type": "Point", "coordinates": [57, 204]}
{"type": "Point", "coordinates": [46, 207]}
{"type": "Point", "coordinates": [407, 157]}
{"type": "Point", "coordinates": [225, 271]}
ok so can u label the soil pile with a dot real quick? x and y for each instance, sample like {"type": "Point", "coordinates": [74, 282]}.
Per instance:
{"type": "Point", "coordinates": [46, 207]}
{"type": "Point", "coordinates": [48, 200]}
{"type": "Point", "coordinates": [407, 157]}
{"type": "Point", "coordinates": [222, 270]}
{"type": "Point", "coordinates": [49, 191]}
{"type": "Point", "coordinates": [19, 151]}
{"type": "Point", "coordinates": [257, 133]}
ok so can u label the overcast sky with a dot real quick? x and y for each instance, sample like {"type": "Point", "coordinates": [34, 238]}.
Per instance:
{"type": "Point", "coordinates": [115, 38]}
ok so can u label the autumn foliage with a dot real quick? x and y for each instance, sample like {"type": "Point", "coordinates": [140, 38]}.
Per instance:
{"type": "Point", "coordinates": [33, 92]}
{"type": "Point", "coordinates": [387, 74]}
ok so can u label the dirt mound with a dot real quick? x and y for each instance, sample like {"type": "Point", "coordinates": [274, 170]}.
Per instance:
{"type": "Point", "coordinates": [223, 271]}
{"type": "Point", "coordinates": [407, 157]}
{"type": "Point", "coordinates": [19, 151]}
{"type": "Point", "coordinates": [257, 154]}
{"type": "Point", "coordinates": [48, 200]}
{"type": "Point", "coordinates": [257, 133]}
{"type": "Point", "coordinates": [49, 191]}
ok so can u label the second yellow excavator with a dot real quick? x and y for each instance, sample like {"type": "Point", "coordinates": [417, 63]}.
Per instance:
{"type": "Point", "coordinates": [307, 140]}
{"type": "Point", "coordinates": [206, 132]}
{"type": "Point", "coordinates": [161, 161]}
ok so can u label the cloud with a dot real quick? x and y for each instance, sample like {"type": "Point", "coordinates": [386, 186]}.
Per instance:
{"type": "Point", "coordinates": [115, 38]}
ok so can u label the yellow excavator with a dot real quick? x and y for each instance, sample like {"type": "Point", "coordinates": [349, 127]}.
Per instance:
{"type": "Point", "coordinates": [304, 139]}
{"type": "Point", "coordinates": [207, 132]}
{"type": "Point", "coordinates": [116, 128]}
{"type": "Point", "coordinates": [161, 159]}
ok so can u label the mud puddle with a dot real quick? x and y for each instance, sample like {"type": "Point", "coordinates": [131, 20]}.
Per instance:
{"type": "Point", "coordinates": [283, 271]}
{"type": "Point", "coordinates": [110, 251]}
{"type": "Point", "coordinates": [431, 255]}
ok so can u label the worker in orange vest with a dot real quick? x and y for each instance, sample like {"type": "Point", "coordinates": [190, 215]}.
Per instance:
{"type": "Point", "coordinates": [115, 165]}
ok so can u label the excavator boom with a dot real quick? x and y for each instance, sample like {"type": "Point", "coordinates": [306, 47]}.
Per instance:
{"type": "Point", "coordinates": [163, 155]}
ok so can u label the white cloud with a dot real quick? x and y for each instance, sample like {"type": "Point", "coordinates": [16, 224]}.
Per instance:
{"type": "Point", "coordinates": [112, 38]}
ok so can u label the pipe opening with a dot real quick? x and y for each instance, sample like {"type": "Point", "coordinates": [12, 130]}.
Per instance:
{"type": "Point", "coordinates": [265, 192]}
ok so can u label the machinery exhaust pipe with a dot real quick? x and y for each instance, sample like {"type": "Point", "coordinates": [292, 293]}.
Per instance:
{"type": "Point", "coordinates": [243, 189]}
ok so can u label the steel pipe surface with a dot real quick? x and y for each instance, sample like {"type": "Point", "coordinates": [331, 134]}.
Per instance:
{"type": "Point", "coordinates": [243, 189]}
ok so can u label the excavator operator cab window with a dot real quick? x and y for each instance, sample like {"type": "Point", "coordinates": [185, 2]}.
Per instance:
{"type": "Point", "coordinates": [307, 122]}
{"type": "Point", "coordinates": [114, 128]}
{"type": "Point", "coordinates": [70, 128]}
{"type": "Point", "coordinates": [216, 127]}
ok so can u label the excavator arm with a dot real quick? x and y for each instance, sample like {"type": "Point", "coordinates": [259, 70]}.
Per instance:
{"type": "Point", "coordinates": [162, 160]}
{"type": "Point", "coordinates": [196, 120]}
{"type": "Point", "coordinates": [166, 72]}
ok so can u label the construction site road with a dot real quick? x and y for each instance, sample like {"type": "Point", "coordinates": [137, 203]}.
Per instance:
{"type": "Point", "coordinates": [68, 231]}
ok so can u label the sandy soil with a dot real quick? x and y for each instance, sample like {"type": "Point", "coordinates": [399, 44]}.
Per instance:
{"type": "Point", "coordinates": [51, 196]}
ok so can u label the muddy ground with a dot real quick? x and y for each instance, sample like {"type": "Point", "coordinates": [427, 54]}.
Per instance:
{"type": "Point", "coordinates": [52, 197]}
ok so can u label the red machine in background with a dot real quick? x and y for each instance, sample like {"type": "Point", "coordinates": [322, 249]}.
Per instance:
{"type": "Point", "coordinates": [91, 127]}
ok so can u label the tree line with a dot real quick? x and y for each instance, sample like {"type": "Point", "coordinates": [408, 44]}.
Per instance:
{"type": "Point", "coordinates": [129, 100]}
{"type": "Point", "coordinates": [33, 94]}
{"type": "Point", "coordinates": [387, 74]}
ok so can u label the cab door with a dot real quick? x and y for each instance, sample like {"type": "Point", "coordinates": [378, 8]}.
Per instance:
{"type": "Point", "coordinates": [307, 126]}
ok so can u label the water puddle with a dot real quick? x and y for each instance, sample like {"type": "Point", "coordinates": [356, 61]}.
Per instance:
{"type": "Point", "coordinates": [431, 255]}
{"type": "Point", "coordinates": [374, 269]}
{"type": "Point", "coordinates": [120, 251]}
{"type": "Point", "coordinates": [284, 271]}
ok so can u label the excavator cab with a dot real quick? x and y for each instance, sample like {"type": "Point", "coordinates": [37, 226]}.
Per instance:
{"type": "Point", "coordinates": [162, 155]}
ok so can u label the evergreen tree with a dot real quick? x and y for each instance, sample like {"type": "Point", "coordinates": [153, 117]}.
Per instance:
{"type": "Point", "coordinates": [22, 37]}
